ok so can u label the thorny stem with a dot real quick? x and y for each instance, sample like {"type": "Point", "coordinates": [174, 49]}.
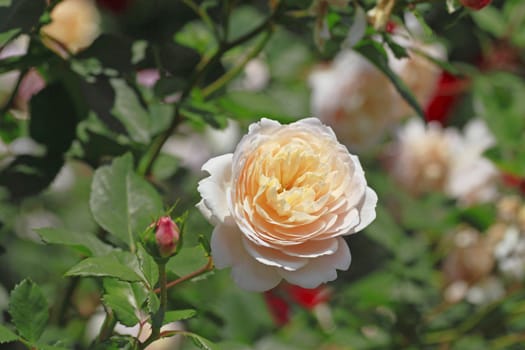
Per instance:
{"type": "Point", "coordinates": [205, 268]}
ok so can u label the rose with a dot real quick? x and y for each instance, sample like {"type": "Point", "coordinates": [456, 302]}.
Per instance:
{"type": "Point", "coordinates": [359, 101]}
{"type": "Point", "coordinates": [281, 202]}
{"type": "Point", "coordinates": [167, 235]}
{"type": "Point", "coordinates": [428, 157]}
{"type": "Point", "coordinates": [75, 24]}
{"type": "Point", "coordinates": [475, 4]}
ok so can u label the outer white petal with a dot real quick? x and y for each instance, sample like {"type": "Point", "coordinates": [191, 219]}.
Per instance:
{"type": "Point", "coordinates": [273, 257]}
{"type": "Point", "coordinates": [254, 276]}
{"type": "Point", "coordinates": [213, 189]}
{"type": "Point", "coordinates": [368, 210]}
{"type": "Point", "coordinates": [320, 270]}
{"type": "Point", "coordinates": [227, 250]}
{"type": "Point", "coordinates": [225, 243]}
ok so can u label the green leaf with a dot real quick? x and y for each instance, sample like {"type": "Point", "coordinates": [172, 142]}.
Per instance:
{"type": "Point", "coordinates": [84, 243]}
{"type": "Point", "coordinates": [491, 20]}
{"type": "Point", "coordinates": [200, 342]}
{"type": "Point", "coordinates": [153, 303]}
{"type": "Point", "coordinates": [53, 119]}
{"type": "Point", "coordinates": [375, 54]}
{"type": "Point", "coordinates": [21, 15]}
{"type": "Point", "coordinates": [124, 311]}
{"type": "Point", "coordinates": [178, 315]}
{"type": "Point", "coordinates": [104, 266]}
{"type": "Point", "coordinates": [51, 347]}
{"type": "Point", "coordinates": [29, 310]}
{"type": "Point", "coordinates": [126, 299]}
{"type": "Point", "coordinates": [187, 261]}
{"type": "Point", "coordinates": [122, 202]}
{"type": "Point", "coordinates": [130, 111]}
{"type": "Point", "coordinates": [148, 267]}
{"type": "Point", "coordinates": [6, 335]}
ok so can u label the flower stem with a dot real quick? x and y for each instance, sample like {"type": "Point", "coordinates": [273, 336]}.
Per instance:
{"type": "Point", "coordinates": [232, 73]}
{"type": "Point", "coordinates": [107, 327]}
{"type": "Point", "coordinates": [205, 268]}
{"type": "Point", "coordinates": [158, 318]}
{"type": "Point", "coordinates": [148, 160]}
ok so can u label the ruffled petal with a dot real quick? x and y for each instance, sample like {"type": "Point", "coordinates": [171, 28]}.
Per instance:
{"type": "Point", "coordinates": [273, 257]}
{"type": "Point", "coordinates": [214, 189]}
{"type": "Point", "coordinates": [320, 270]}
{"type": "Point", "coordinates": [227, 250]}
{"type": "Point", "coordinates": [367, 213]}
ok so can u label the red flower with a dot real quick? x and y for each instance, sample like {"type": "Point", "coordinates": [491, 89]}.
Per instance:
{"type": "Point", "coordinates": [475, 4]}
{"type": "Point", "coordinates": [514, 181]}
{"type": "Point", "coordinates": [447, 93]}
{"type": "Point", "coordinates": [279, 308]}
{"type": "Point", "coordinates": [115, 6]}
{"type": "Point", "coordinates": [308, 298]}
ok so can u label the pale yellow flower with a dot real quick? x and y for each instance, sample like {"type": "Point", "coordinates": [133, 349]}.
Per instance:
{"type": "Point", "coordinates": [75, 24]}
{"type": "Point", "coordinates": [281, 202]}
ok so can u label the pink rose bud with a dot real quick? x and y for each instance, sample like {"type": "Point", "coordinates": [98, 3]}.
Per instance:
{"type": "Point", "coordinates": [167, 235]}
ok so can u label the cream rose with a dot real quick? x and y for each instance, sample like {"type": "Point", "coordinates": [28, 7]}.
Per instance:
{"type": "Point", "coordinates": [359, 101]}
{"type": "Point", "coordinates": [75, 24]}
{"type": "Point", "coordinates": [430, 158]}
{"type": "Point", "coordinates": [281, 202]}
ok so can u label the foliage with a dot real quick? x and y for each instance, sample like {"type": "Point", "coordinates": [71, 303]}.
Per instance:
{"type": "Point", "coordinates": [115, 138]}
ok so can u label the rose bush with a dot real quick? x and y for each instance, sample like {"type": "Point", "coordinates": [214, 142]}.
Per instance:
{"type": "Point", "coordinates": [281, 202]}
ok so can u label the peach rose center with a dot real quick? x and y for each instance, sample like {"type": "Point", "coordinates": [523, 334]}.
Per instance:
{"type": "Point", "coordinates": [290, 185]}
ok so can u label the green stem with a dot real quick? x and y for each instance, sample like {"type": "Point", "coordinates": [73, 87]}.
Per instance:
{"type": "Point", "coordinates": [107, 327]}
{"type": "Point", "coordinates": [201, 12]}
{"type": "Point", "coordinates": [146, 163]}
{"type": "Point", "coordinates": [232, 73]}
{"type": "Point", "coordinates": [59, 311]}
{"type": "Point", "coordinates": [205, 268]}
{"type": "Point", "coordinates": [159, 317]}
{"type": "Point", "coordinates": [12, 97]}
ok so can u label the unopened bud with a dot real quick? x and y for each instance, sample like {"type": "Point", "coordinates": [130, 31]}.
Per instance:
{"type": "Point", "coordinates": [167, 235]}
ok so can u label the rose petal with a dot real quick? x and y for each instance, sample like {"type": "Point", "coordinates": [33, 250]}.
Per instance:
{"type": "Point", "coordinates": [273, 257]}
{"type": "Point", "coordinates": [213, 189]}
{"type": "Point", "coordinates": [313, 248]}
{"type": "Point", "coordinates": [227, 250]}
{"type": "Point", "coordinates": [320, 270]}
{"type": "Point", "coordinates": [368, 210]}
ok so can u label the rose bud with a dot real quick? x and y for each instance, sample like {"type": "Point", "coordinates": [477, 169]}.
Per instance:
{"type": "Point", "coordinates": [167, 235]}
{"type": "Point", "coordinates": [162, 239]}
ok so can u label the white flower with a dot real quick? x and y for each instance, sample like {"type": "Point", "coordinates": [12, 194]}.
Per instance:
{"type": "Point", "coordinates": [510, 253]}
{"type": "Point", "coordinates": [431, 158]}
{"type": "Point", "coordinates": [140, 332]}
{"type": "Point", "coordinates": [74, 23]}
{"type": "Point", "coordinates": [281, 202]}
{"type": "Point", "coordinates": [355, 98]}
{"type": "Point", "coordinates": [256, 75]}
{"type": "Point", "coordinates": [360, 102]}
{"type": "Point", "coordinates": [194, 149]}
